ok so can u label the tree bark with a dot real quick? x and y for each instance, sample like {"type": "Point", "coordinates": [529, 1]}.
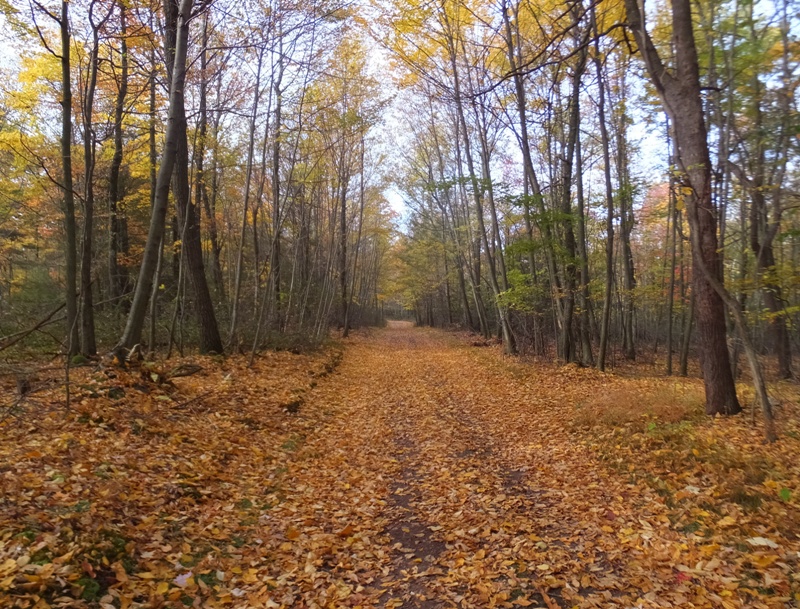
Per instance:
{"type": "Point", "coordinates": [347, 311]}
{"type": "Point", "coordinates": [71, 242]}
{"type": "Point", "coordinates": [88, 340]}
{"type": "Point", "coordinates": [188, 213]}
{"type": "Point", "coordinates": [210, 200]}
{"type": "Point", "coordinates": [176, 126]}
{"type": "Point", "coordinates": [625, 197]}
{"type": "Point", "coordinates": [609, 192]}
{"type": "Point", "coordinates": [344, 180]}
{"type": "Point", "coordinates": [587, 357]}
{"type": "Point", "coordinates": [509, 345]}
{"type": "Point", "coordinates": [117, 240]}
{"type": "Point", "coordinates": [672, 233]}
{"type": "Point", "coordinates": [514, 54]}
{"type": "Point", "coordinates": [567, 347]}
{"type": "Point", "coordinates": [277, 220]}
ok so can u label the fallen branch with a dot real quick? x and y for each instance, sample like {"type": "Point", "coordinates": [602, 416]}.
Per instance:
{"type": "Point", "coordinates": [13, 339]}
{"type": "Point", "coordinates": [183, 370]}
{"type": "Point", "coordinates": [198, 398]}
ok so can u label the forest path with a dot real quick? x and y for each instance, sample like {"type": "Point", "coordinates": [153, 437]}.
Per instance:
{"type": "Point", "coordinates": [405, 469]}
{"type": "Point", "coordinates": [456, 484]}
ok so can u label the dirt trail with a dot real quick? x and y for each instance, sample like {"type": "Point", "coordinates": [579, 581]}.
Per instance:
{"type": "Point", "coordinates": [453, 494]}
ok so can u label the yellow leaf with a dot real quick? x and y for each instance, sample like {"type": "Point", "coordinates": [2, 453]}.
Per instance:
{"type": "Point", "coordinates": [709, 550]}
{"type": "Point", "coordinates": [764, 560]}
{"type": "Point", "coordinates": [65, 558]}
{"type": "Point", "coordinates": [726, 522]}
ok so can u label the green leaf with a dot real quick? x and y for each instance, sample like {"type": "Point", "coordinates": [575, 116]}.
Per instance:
{"type": "Point", "coordinates": [90, 588]}
{"type": "Point", "coordinates": [785, 494]}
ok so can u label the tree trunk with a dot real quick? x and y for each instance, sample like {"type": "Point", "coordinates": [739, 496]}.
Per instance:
{"type": "Point", "coordinates": [88, 341]}
{"type": "Point", "coordinates": [117, 242]}
{"type": "Point", "coordinates": [176, 126]}
{"type": "Point", "coordinates": [625, 197]}
{"type": "Point", "coordinates": [587, 357]}
{"type": "Point", "coordinates": [601, 117]}
{"type": "Point", "coordinates": [567, 347]}
{"type": "Point", "coordinates": [233, 337]}
{"type": "Point", "coordinates": [672, 233]}
{"type": "Point", "coordinates": [71, 242]}
{"type": "Point", "coordinates": [762, 236]}
{"type": "Point", "coordinates": [682, 99]}
{"type": "Point", "coordinates": [210, 204]}
{"type": "Point", "coordinates": [201, 199]}
{"type": "Point", "coordinates": [514, 53]}
{"type": "Point", "coordinates": [153, 160]}
{"type": "Point", "coordinates": [686, 339]}
{"type": "Point", "coordinates": [357, 247]}
{"type": "Point", "coordinates": [188, 214]}
{"type": "Point", "coordinates": [343, 185]}
{"type": "Point", "coordinates": [277, 221]}
{"type": "Point", "coordinates": [477, 195]}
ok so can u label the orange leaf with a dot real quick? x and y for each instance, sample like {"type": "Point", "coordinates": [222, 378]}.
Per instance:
{"type": "Point", "coordinates": [292, 533]}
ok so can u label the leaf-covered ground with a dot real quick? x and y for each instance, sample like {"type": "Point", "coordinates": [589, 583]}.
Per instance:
{"type": "Point", "coordinates": [414, 470]}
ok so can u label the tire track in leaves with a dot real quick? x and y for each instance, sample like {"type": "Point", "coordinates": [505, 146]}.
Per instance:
{"type": "Point", "coordinates": [453, 443]}
{"type": "Point", "coordinates": [437, 436]}
{"type": "Point", "coordinates": [414, 544]}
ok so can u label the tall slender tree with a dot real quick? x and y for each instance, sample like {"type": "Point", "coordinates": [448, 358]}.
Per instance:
{"type": "Point", "coordinates": [176, 128]}
{"type": "Point", "coordinates": [680, 92]}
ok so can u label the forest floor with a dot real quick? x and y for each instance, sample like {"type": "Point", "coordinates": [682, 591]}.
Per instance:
{"type": "Point", "coordinates": [402, 468]}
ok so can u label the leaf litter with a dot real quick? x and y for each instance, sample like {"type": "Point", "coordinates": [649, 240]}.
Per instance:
{"type": "Point", "coordinates": [412, 471]}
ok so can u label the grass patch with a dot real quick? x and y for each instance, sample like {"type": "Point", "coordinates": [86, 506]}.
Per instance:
{"type": "Point", "coordinates": [292, 444]}
{"type": "Point", "coordinates": [647, 408]}
{"type": "Point", "coordinates": [90, 588]}
{"type": "Point", "coordinates": [244, 504]}
{"type": "Point", "coordinates": [749, 501]}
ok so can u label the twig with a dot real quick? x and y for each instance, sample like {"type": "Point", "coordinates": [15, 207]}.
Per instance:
{"type": "Point", "coordinates": [551, 604]}
{"type": "Point", "coordinates": [194, 399]}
